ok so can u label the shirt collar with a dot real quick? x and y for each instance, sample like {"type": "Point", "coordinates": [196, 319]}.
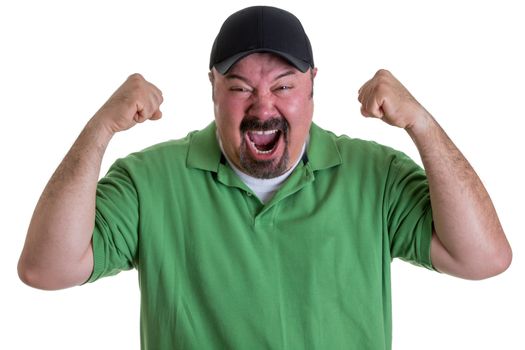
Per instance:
{"type": "Point", "coordinates": [322, 150]}
{"type": "Point", "coordinates": [204, 151]}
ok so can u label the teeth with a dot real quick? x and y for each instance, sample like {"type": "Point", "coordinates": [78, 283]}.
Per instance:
{"type": "Point", "coordinates": [266, 132]}
{"type": "Point", "coordinates": [258, 151]}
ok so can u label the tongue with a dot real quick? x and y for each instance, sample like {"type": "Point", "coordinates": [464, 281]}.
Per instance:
{"type": "Point", "coordinates": [264, 142]}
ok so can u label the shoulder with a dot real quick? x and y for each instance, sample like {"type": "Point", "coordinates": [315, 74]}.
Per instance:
{"type": "Point", "coordinates": [171, 153]}
{"type": "Point", "coordinates": [365, 159]}
{"type": "Point", "coordinates": [170, 148]}
{"type": "Point", "coordinates": [358, 150]}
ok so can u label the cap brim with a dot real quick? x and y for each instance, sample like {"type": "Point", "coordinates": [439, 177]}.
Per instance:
{"type": "Point", "coordinates": [224, 66]}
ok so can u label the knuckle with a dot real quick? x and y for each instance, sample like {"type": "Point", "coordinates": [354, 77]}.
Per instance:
{"type": "Point", "coordinates": [381, 88]}
{"type": "Point", "coordinates": [136, 82]}
{"type": "Point", "coordinates": [383, 73]}
{"type": "Point", "coordinates": [136, 76]}
{"type": "Point", "coordinates": [382, 77]}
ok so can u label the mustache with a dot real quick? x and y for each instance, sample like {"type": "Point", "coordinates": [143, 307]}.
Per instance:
{"type": "Point", "coordinates": [253, 123]}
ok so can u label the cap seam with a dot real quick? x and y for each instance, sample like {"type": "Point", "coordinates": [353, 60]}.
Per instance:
{"type": "Point", "coordinates": [260, 25]}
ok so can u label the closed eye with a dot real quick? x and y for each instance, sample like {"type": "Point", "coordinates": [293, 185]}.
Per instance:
{"type": "Point", "coordinates": [239, 89]}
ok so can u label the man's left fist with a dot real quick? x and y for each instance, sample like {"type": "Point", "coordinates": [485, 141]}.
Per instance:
{"type": "Point", "coordinates": [384, 97]}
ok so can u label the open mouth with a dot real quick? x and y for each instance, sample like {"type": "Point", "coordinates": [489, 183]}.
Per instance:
{"type": "Point", "coordinates": [264, 142]}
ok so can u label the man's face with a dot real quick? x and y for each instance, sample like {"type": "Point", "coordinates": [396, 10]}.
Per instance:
{"type": "Point", "coordinates": [263, 110]}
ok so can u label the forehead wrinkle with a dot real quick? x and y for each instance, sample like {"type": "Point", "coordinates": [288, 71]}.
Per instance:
{"type": "Point", "coordinates": [233, 76]}
{"type": "Point", "coordinates": [260, 66]}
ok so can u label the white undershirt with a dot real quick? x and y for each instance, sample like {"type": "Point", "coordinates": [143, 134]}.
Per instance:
{"type": "Point", "coordinates": [264, 189]}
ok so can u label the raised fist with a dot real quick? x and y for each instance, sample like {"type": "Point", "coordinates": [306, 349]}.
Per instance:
{"type": "Point", "coordinates": [384, 97]}
{"type": "Point", "coordinates": [135, 101]}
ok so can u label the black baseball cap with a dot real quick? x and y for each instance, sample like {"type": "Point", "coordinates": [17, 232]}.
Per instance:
{"type": "Point", "coordinates": [261, 29]}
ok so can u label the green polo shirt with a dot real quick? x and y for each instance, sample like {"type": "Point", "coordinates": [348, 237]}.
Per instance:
{"type": "Point", "coordinates": [218, 269]}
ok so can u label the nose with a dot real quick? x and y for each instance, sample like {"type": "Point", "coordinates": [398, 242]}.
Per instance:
{"type": "Point", "coordinates": [262, 106]}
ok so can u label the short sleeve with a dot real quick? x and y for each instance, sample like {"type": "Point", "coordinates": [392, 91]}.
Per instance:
{"type": "Point", "coordinates": [115, 236]}
{"type": "Point", "coordinates": [409, 213]}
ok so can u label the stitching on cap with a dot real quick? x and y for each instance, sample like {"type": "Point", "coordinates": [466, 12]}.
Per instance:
{"type": "Point", "coordinates": [260, 25]}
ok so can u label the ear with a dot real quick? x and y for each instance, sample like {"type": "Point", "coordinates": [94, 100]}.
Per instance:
{"type": "Point", "coordinates": [212, 81]}
{"type": "Point", "coordinates": [314, 72]}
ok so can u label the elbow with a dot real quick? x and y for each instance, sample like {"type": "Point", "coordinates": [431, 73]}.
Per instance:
{"type": "Point", "coordinates": [503, 260]}
{"type": "Point", "coordinates": [39, 278]}
{"type": "Point", "coordinates": [27, 276]}
{"type": "Point", "coordinates": [493, 264]}
{"type": "Point", "coordinates": [31, 276]}
{"type": "Point", "coordinates": [57, 275]}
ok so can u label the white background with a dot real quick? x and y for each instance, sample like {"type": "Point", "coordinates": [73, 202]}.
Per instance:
{"type": "Point", "coordinates": [60, 60]}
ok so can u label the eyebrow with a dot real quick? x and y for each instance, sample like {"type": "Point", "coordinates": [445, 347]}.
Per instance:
{"type": "Point", "coordinates": [290, 72]}
{"type": "Point", "coordinates": [232, 76]}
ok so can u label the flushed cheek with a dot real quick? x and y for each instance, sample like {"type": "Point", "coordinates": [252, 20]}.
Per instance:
{"type": "Point", "coordinates": [298, 114]}
{"type": "Point", "coordinates": [230, 137]}
{"type": "Point", "coordinates": [231, 145]}
{"type": "Point", "coordinates": [229, 116]}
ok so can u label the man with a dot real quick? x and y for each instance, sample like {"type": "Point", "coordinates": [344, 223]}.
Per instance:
{"type": "Point", "coordinates": [263, 230]}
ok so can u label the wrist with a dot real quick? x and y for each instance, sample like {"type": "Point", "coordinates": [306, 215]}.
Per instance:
{"type": "Point", "coordinates": [422, 126]}
{"type": "Point", "coordinates": [101, 132]}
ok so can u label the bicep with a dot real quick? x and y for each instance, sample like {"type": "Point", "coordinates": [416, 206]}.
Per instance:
{"type": "Point", "coordinates": [443, 261]}
{"type": "Point", "coordinates": [86, 266]}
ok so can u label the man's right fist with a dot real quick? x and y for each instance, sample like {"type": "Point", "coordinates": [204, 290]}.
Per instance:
{"type": "Point", "coordinates": [135, 101]}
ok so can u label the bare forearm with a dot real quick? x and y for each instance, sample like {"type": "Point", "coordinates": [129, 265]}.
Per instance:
{"type": "Point", "coordinates": [57, 252]}
{"type": "Point", "coordinates": [465, 221]}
